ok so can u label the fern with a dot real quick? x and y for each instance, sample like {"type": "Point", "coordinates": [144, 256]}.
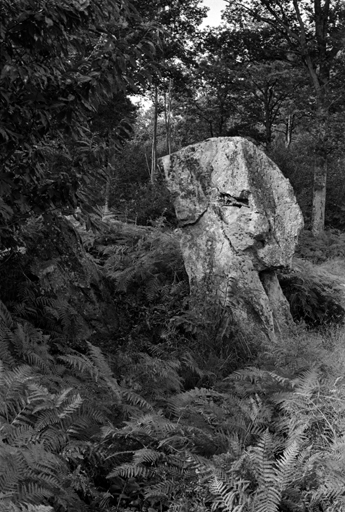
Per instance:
{"type": "Point", "coordinates": [273, 476]}
{"type": "Point", "coordinates": [146, 261]}
{"type": "Point", "coordinates": [5, 316]}
{"type": "Point", "coordinates": [135, 399]}
{"type": "Point", "coordinates": [314, 294]}
{"type": "Point", "coordinates": [36, 426]}
{"type": "Point", "coordinates": [256, 375]}
{"type": "Point", "coordinates": [131, 471]}
{"type": "Point", "coordinates": [99, 361]}
{"type": "Point", "coordinates": [8, 506]}
{"type": "Point", "coordinates": [81, 363]}
{"type": "Point", "coordinates": [147, 456]}
{"type": "Point", "coordinates": [161, 491]}
{"type": "Point", "coordinates": [6, 344]}
{"type": "Point", "coordinates": [189, 362]}
{"type": "Point", "coordinates": [24, 342]}
{"type": "Point", "coordinates": [12, 388]}
{"type": "Point", "coordinates": [330, 465]}
{"type": "Point", "coordinates": [232, 498]}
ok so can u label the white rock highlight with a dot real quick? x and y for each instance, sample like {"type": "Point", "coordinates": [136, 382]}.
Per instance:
{"type": "Point", "coordinates": [240, 222]}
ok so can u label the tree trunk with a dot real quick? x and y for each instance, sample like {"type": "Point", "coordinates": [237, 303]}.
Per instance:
{"type": "Point", "coordinates": [106, 198]}
{"type": "Point", "coordinates": [319, 197]}
{"type": "Point", "coordinates": [107, 183]}
{"type": "Point", "coordinates": [267, 96]}
{"type": "Point", "coordinates": [154, 138]}
{"type": "Point", "coordinates": [320, 170]}
{"type": "Point", "coordinates": [319, 80]}
{"type": "Point", "coordinates": [289, 129]}
{"type": "Point", "coordinates": [167, 115]}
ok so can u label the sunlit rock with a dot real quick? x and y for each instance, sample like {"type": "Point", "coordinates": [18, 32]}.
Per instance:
{"type": "Point", "coordinates": [240, 221]}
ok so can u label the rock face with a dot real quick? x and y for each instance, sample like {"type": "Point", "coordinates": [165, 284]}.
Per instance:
{"type": "Point", "coordinates": [240, 221]}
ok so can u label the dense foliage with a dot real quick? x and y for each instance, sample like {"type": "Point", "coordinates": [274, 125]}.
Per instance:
{"type": "Point", "coordinates": [164, 418]}
{"type": "Point", "coordinates": [60, 63]}
{"type": "Point", "coordinates": [118, 392]}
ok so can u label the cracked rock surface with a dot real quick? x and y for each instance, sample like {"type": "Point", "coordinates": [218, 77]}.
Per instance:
{"type": "Point", "coordinates": [239, 222]}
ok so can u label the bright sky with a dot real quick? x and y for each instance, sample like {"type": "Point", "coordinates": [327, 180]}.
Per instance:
{"type": "Point", "coordinates": [216, 6]}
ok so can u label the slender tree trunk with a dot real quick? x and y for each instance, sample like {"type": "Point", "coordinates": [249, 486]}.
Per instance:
{"type": "Point", "coordinates": [167, 118]}
{"type": "Point", "coordinates": [147, 164]}
{"type": "Point", "coordinates": [166, 121]}
{"type": "Point", "coordinates": [267, 97]}
{"type": "Point", "coordinates": [319, 196]}
{"type": "Point", "coordinates": [107, 183]}
{"type": "Point", "coordinates": [289, 128]}
{"type": "Point", "coordinates": [154, 138]}
{"type": "Point", "coordinates": [268, 134]}
{"type": "Point", "coordinates": [320, 173]}
{"type": "Point", "coordinates": [107, 194]}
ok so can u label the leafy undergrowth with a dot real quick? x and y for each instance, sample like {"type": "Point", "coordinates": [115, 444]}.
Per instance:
{"type": "Point", "coordinates": [316, 293]}
{"type": "Point", "coordinates": [331, 245]}
{"type": "Point", "coordinates": [315, 285]}
{"type": "Point", "coordinates": [89, 433]}
{"type": "Point", "coordinates": [165, 419]}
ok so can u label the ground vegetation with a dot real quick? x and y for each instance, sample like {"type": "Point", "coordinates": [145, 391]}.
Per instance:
{"type": "Point", "coordinates": [118, 393]}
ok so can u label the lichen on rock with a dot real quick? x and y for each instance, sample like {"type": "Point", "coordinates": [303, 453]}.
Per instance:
{"type": "Point", "coordinates": [240, 221]}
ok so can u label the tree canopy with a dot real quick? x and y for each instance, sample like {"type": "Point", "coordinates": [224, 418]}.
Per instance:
{"type": "Point", "coordinates": [60, 62]}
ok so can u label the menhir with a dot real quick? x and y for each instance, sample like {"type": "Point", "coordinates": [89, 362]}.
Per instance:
{"type": "Point", "coordinates": [240, 223]}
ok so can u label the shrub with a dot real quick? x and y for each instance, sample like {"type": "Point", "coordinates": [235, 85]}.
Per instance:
{"type": "Point", "coordinates": [314, 294]}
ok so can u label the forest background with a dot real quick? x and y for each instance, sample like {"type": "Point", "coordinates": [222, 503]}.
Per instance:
{"type": "Point", "coordinates": [117, 392]}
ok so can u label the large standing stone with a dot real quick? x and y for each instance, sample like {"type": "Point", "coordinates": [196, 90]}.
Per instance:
{"type": "Point", "coordinates": [240, 221]}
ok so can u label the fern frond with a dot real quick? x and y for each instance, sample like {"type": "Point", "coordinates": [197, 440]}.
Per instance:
{"type": "Point", "coordinates": [91, 412]}
{"type": "Point", "coordinates": [153, 288]}
{"type": "Point", "coordinates": [99, 361]}
{"type": "Point", "coordinates": [114, 387]}
{"type": "Point", "coordinates": [146, 455]}
{"type": "Point", "coordinates": [63, 311]}
{"type": "Point", "coordinates": [6, 341]}
{"type": "Point", "coordinates": [81, 363]}
{"type": "Point", "coordinates": [189, 362]}
{"type": "Point", "coordinates": [35, 360]}
{"type": "Point", "coordinates": [9, 479]}
{"type": "Point", "coordinates": [267, 500]}
{"type": "Point", "coordinates": [17, 435]}
{"type": "Point", "coordinates": [256, 375]}
{"type": "Point", "coordinates": [5, 316]}
{"type": "Point", "coordinates": [230, 497]}
{"type": "Point", "coordinates": [38, 395]}
{"type": "Point", "coordinates": [183, 400]}
{"type": "Point", "coordinates": [13, 385]}
{"type": "Point", "coordinates": [306, 384]}
{"type": "Point", "coordinates": [328, 492]}
{"type": "Point", "coordinates": [72, 407]}
{"type": "Point", "coordinates": [47, 418]}
{"type": "Point", "coordinates": [131, 471]}
{"type": "Point", "coordinates": [54, 439]}
{"type": "Point", "coordinates": [160, 491]}
{"type": "Point", "coordinates": [286, 464]}
{"type": "Point", "coordinates": [7, 505]}
{"type": "Point", "coordinates": [135, 399]}
{"type": "Point", "coordinates": [262, 459]}
{"type": "Point", "coordinates": [33, 493]}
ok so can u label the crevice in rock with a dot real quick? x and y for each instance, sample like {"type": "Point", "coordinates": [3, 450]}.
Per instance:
{"type": "Point", "coordinates": [192, 223]}
{"type": "Point", "coordinates": [263, 273]}
{"type": "Point", "coordinates": [229, 200]}
{"type": "Point", "coordinates": [219, 213]}
{"type": "Point", "coordinates": [260, 241]}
